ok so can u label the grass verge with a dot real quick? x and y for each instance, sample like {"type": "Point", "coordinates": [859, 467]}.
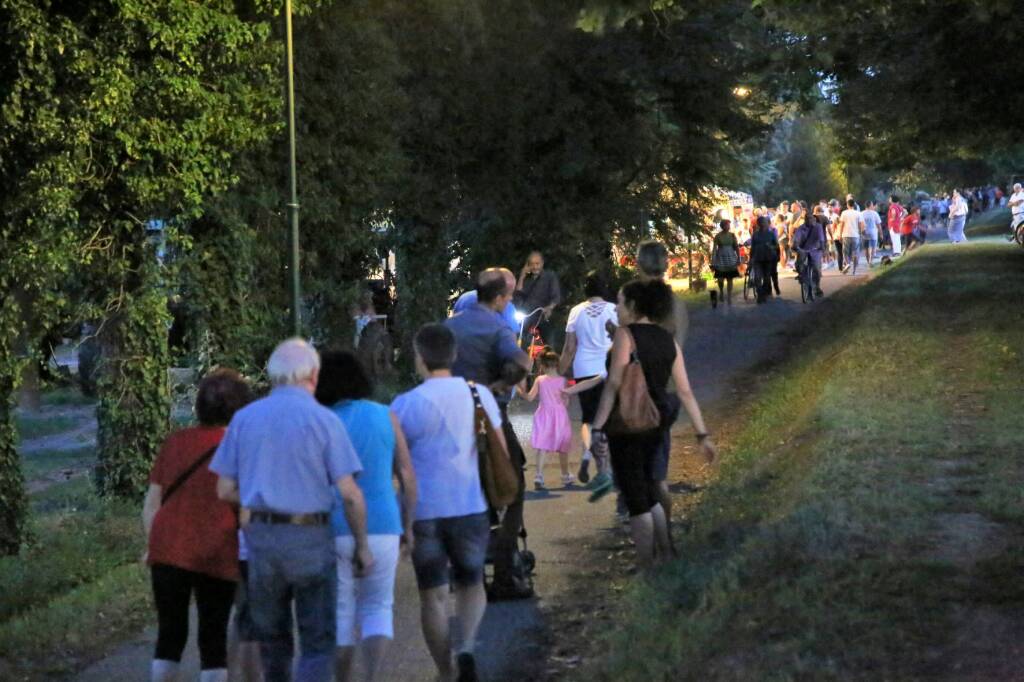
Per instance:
{"type": "Point", "coordinates": [37, 427]}
{"type": "Point", "coordinates": [76, 589]}
{"type": "Point", "coordinates": [42, 462]}
{"type": "Point", "coordinates": [67, 396]}
{"type": "Point", "coordinates": [992, 223]}
{"type": "Point", "coordinates": [869, 503]}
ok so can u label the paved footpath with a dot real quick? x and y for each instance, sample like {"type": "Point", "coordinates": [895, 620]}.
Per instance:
{"type": "Point", "coordinates": [721, 344]}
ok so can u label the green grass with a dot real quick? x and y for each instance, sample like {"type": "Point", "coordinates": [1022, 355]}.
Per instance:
{"type": "Point", "coordinates": [819, 552]}
{"type": "Point", "coordinates": [992, 223]}
{"type": "Point", "coordinates": [77, 588]}
{"type": "Point", "coordinates": [66, 396]}
{"type": "Point", "coordinates": [30, 427]}
{"type": "Point", "coordinates": [42, 462]}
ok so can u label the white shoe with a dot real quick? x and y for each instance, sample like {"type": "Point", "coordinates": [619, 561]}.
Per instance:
{"type": "Point", "coordinates": [214, 675]}
{"type": "Point", "coordinates": [163, 671]}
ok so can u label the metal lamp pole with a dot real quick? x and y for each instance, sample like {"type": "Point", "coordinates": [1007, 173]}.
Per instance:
{"type": "Point", "coordinates": [293, 204]}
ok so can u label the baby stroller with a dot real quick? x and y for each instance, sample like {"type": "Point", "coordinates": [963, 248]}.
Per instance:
{"type": "Point", "coordinates": [523, 563]}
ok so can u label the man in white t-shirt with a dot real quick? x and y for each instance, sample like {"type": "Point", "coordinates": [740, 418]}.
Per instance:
{"type": "Point", "coordinates": [587, 342]}
{"type": "Point", "coordinates": [851, 225]}
{"type": "Point", "coordinates": [452, 527]}
{"type": "Point", "coordinates": [1016, 204]}
{"type": "Point", "coordinates": [872, 224]}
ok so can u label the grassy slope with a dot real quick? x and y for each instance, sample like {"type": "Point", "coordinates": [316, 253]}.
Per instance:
{"type": "Point", "coordinates": [995, 222]}
{"type": "Point", "coordinates": [37, 427]}
{"type": "Point", "coordinates": [830, 548]}
{"type": "Point", "coordinates": [77, 589]}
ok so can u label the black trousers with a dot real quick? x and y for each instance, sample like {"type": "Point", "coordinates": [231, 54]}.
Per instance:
{"type": "Point", "coordinates": [507, 537]}
{"type": "Point", "coordinates": [172, 592]}
{"type": "Point", "coordinates": [839, 253]}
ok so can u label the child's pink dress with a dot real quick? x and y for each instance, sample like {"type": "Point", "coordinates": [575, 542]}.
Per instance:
{"type": "Point", "coordinates": [552, 430]}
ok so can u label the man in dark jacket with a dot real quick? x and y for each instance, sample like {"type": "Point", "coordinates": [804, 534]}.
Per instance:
{"type": "Point", "coordinates": [764, 252]}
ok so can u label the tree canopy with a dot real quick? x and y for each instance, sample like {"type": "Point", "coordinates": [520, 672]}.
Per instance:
{"type": "Point", "coordinates": [457, 134]}
{"type": "Point", "coordinates": [913, 80]}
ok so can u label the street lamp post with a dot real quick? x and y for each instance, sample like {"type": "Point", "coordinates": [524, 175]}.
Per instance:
{"type": "Point", "coordinates": [293, 203]}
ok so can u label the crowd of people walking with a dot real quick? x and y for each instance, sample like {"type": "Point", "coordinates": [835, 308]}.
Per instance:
{"type": "Point", "coordinates": [294, 509]}
{"type": "Point", "coordinates": [831, 234]}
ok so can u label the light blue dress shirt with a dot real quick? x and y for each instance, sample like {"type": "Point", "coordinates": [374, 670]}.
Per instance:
{"type": "Point", "coordinates": [286, 451]}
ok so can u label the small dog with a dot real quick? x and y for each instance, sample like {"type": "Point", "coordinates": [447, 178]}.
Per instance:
{"type": "Point", "coordinates": [886, 260]}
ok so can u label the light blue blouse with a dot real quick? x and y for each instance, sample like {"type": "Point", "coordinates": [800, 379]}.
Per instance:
{"type": "Point", "coordinates": [369, 428]}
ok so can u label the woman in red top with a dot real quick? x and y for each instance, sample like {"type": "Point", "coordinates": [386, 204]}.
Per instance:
{"type": "Point", "coordinates": [909, 229]}
{"type": "Point", "coordinates": [192, 535]}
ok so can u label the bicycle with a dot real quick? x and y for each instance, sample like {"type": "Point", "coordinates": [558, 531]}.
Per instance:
{"type": "Point", "coordinates": [1017, 229]}
{"type": "Point", "coordinates": [749, 286]}
{"type": "Point", "coordinates": [804, 274]}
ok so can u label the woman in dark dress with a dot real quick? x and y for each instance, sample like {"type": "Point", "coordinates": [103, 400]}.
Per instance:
{"type": "Point", "coordinates": [764, 254]}
{"type": "Point", "coordinates": [632, 455]}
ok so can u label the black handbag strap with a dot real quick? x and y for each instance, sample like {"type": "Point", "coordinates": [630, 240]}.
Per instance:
{"type": "Point", "coordinates": [172, 488]}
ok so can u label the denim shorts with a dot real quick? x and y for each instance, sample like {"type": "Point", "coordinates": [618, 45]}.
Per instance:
{"type": "Point", "coordinates": [458, 543]}
{"type": "Point", "coordinates": [869, 243]}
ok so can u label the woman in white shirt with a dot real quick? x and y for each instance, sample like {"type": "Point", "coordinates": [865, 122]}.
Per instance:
{"type": "Point", "coordinates": [957, 218]}
{"type": "Point", "coordinates": [588, 338]}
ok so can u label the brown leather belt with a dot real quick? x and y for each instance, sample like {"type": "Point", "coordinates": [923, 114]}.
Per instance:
{"type": "Point", "coordinates": [319, 519]}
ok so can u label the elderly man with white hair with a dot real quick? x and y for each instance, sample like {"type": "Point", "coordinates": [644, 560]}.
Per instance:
{"type": "Point", "coordinates": [1016, 204]}
{"type": "Point", "coordinates": [279, 459]}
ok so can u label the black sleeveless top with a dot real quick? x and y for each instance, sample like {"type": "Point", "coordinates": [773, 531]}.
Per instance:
{"type": "Point", "coordinates": [656, 350]}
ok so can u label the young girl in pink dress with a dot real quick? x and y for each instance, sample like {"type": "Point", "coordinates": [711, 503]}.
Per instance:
{"type": "Point", "coordinates": [552, 431]}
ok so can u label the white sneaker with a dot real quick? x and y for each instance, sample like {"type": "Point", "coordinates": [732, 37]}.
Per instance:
{"type": "Point", "coordinates": [214, 675]}
{"type": "Point", "coordinates": [568, 480]}
{"type": "Point", "coordinates": [163, 671]}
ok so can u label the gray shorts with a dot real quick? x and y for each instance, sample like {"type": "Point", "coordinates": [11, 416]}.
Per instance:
{"type": "Point", "coordinates": [455, 545]}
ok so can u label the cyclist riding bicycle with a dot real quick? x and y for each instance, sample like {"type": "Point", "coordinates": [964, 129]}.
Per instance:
{"type": "Point", "coordinates": [809, 244]}
{"type": "Point", "coordinates": [1016, 204]}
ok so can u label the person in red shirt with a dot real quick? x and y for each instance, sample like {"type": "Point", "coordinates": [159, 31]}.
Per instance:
{"type": "Point", "coordinates": [909, 229]}
{"type": "Point", "coordinates": [192, 536]}
{"type": "Point", "coordinates": [893, 221]}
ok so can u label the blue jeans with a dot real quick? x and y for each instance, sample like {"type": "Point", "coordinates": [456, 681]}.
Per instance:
{"type": "Point", "coordinates": [851, 249]}
{"type": "Point", "coordinates": [293, 564]}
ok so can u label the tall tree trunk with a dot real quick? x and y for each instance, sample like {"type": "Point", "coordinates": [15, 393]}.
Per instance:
{"type": "Point", "coordinates": [422, 280]}
{"type": "Point", "coordinates": [13, 501]}
{"type": "Point", "coordinates": [134, 409]}
{"type": "Point", "coordinates": [28, 388]}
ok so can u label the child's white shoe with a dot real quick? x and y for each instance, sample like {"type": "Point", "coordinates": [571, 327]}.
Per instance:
{"type": "Point", "coordinates": [568, 480]}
